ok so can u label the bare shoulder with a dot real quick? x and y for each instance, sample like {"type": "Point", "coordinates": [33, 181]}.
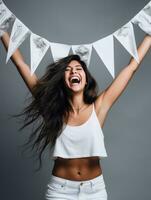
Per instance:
{"type": "Point", "coordinates": [101, 108]}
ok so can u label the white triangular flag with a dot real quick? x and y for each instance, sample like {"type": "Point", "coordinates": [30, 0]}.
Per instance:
{"type": "Point", "coordinates": [18, 35]}
{"type": "Point", "coordinates": [1, 32]}
{"type": "Point", "coordinates": [38, 48]}
{"type": "Point", "coordinates": [143, 20]}
{"type": "Point", "coordinates": [147, 8]}
{"type": "Point", "coordinates": [105, 49]}
{"type": "Point", "coordinates": [84, 51]}
{"type": "Point", "coordinates": [126, 37]}
{"type": "Point", "coordinates": [3, 28]}
{"type": "Point", "coordinates": [5, 25]}
{"type": "Point", "coordinates": [5, 13]}
{"type": "Point", "coordinates": [59, 50]}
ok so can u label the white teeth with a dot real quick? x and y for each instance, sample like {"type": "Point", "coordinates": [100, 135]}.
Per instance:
{"type": "Point", "coordinates": [73, 77]}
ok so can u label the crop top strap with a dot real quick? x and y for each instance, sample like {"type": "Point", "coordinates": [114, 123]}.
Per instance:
{"type": "Point", "coordinates": [94, 111]}
{"type": "Point", "coordinates": [93, 107]}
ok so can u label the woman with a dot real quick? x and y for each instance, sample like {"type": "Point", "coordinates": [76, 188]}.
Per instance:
{"type": "Point", "coordinates": [67, 99]}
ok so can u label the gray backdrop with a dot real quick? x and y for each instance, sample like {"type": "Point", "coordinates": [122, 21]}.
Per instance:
{"type": "Point", "coordinates": [127, 128]}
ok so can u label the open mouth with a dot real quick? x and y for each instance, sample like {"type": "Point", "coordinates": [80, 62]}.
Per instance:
{"type": "Point", "coordinates": [74, 80]}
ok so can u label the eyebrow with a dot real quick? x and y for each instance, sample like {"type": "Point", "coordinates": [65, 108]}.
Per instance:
{"type": "Point", "coordinates": [75, 66]}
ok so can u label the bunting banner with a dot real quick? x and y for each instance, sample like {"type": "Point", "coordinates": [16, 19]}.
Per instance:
{"type": "Point", "coordinates": [3, 28]}
{"type": "Point", "coordinates": [6, 17]}
{"type": "Point", "coordinates": [5, 13]}
{"type": "Point", "coordinates": [38, 48]}
{"type": "Point", "coordinates": [59, 50]}
{"type": "Point", "coordinates": [125, 36]}
{"type": "Point", "coordinates": [18, 35]}
{"type": "Point", "coordinates": [84, 51]}
{"type": "Point", "coordinates": [104, 47]}
{"type": "Point", "coordinates": [143, 19]}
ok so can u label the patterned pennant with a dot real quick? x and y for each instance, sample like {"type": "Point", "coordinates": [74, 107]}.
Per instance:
{"type": "Point", "coordinates": [147, 9]}
{"type": "Point", "coordinates": [84, 51]}
{"type": "Point", "coordinates": [38, 48]}
{"type": "Point", "coordinates": [59, 50]}
{"type": "Point", "coordinates": [143, 20]}
{"type": "Point", "coordinates": [18, 35]}
{"type": "Point", "coordinates": [105, 50]}
{"type": "Point", "coordinates": [5, 13]}
{"type": "Point", "coordinates": [5, 25]}
{"type": "Point", "coordinates": [126, 37]}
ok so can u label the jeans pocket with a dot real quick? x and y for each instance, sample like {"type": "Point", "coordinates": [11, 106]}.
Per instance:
{"type": "Point", "coordinates": [99, 185]}
{"type": "Point", "coordinates": [56, 186]}
{"type": "Point", "coordinates": [100, 190]}
{"type": "Point", "coordinates": [100, 194]}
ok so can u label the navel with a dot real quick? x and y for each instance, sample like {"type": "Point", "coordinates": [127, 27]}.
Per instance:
{"type": "Point", "coordinates": [79, 173]}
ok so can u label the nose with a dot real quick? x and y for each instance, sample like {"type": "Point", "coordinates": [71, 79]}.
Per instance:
{"type": "Point", "coordinates": [73, 71]}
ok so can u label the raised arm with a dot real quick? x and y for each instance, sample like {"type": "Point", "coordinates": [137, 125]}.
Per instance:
{"type": "Point", "coordinates": [108, 97]}
{"type": "Point", "coordinates": [21, 66]}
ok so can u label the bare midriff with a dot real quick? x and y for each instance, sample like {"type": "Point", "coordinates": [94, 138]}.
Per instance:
{"type": "Point", "coordinates": [77, 168]}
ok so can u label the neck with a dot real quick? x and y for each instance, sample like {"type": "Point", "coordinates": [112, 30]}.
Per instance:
{"type": "Point", "coordinates": [77, 102]}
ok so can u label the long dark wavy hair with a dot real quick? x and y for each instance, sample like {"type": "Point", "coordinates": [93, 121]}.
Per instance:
{"type": "Point", "coordinates": [50, 106]}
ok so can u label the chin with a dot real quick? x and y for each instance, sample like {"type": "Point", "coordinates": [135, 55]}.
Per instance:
{"type": "Point", "coordinates": [76, 90]}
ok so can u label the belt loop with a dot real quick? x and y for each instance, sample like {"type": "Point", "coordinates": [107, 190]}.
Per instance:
{"type": "Point", "coordinates": [92, 183]}
{"type": "Point", "coordinates": [65, 183]}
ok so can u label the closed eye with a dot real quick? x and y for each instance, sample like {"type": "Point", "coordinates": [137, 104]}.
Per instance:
{"type": "Point", "coordinates": [76, 68]}
{"type": "Point", "coordinates": [67, 69]}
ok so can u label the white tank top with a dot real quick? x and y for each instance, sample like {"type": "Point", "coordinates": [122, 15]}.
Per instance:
{"type": "Point", "coordinates": [85, 140]}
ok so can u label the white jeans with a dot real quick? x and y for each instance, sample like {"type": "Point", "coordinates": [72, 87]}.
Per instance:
{"type": "Point", "coordinates": [64, 189]}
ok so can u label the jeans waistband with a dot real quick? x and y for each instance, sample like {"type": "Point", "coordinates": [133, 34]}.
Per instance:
{"type": "Point", "coordinates": [75, 183]}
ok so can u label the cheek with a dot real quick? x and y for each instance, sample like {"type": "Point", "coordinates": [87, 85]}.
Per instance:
{"type": "Point", "coordinates": [84, 77]}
